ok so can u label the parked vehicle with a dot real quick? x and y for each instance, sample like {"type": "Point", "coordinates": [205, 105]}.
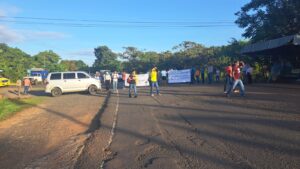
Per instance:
{"type": "Point", "coordinates": [4, 82]}
{"type": "Point", "coordinates": [34, 79]}
{"type": "Point", "coordinates": [58, 83]}
{"type": "Point", "coordinates": [39, 72]}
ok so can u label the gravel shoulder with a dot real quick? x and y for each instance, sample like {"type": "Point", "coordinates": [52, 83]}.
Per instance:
{"type": "Point", "coordinates": [32, 136]}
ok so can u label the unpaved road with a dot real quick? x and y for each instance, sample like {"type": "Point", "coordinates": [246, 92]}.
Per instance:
{"type": "Point", "coordinates": [186, 127]}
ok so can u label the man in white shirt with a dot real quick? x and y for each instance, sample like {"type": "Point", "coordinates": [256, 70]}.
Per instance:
{"type": "Point", "coordinates": [210, 70]}
{"type": "Point", "coordinates": [249, 72]}
{"type": "Point", "coordinates": [107, 79]}
{"type": "Point", "coordinates": [164, 76]}
{"type": "Point", "coordinates": [115, 78]}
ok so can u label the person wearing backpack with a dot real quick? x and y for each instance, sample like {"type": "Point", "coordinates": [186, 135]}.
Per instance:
{"type": "Point", "coordinates": [131, 80]}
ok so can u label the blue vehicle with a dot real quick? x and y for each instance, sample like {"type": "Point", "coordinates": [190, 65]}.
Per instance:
{"type": "Point", "coordinates": [37, 72]}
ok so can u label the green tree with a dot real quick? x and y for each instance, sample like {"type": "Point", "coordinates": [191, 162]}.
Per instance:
{"type": "Point", "coordinates": [74, 65]}
{"type": "Point", "coordinates": [269, 19]}
{"type": "Point", "coordinates": [48, 60]}
{"type": "Point", "coordinates": [106, 59]}
{"type": "Point", "coordinates": [14, 62]}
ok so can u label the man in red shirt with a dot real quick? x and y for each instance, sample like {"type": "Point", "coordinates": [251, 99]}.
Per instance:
{"type": "Point", "coordinates": [228, 79]}
{"type": "Point", "coordinates": [236, 73]}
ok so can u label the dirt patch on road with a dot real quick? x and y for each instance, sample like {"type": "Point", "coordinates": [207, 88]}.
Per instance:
{"type": "Point", "coordinates": [48, 133]}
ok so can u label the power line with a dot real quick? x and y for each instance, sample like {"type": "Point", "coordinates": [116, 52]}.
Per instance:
{"type": "Point", "coordinates": [120, 21]}
{"type": "Point", "coordinates": [144, 25]}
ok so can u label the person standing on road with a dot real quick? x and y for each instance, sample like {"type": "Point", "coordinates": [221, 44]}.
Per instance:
{"type": "Point", "coordinates": [98, 77]}
{"type": "Point", "coordinates": [217, 75]}
{"type": "Point", "coordinates": [228, 79]}
{"type": "Point", "coordinates": [249, 72]}
{"type": "Point", "coordinates": [107, 79]}
{"type": "Point", "coordinates": [115, 78]}
{"type": "Point", "coordinates": [193, 70]}
{"type": "Point", "coordinates": [202, 74]}
{"type": "Point", "coordinates": [197, 76]}
{"type": "Point", "coordinates": [123, 79]}
{"type": "Point", "coordinates": [153, 78]}
{"type": "Point", "coordinates": [19, 85]}
{"type": "Point", "coordinates": [27, 85]}
{"type": "Point", "coordinates": [132, 79]}
{"type": "Point", "coordinates": [210, 70]}
{"type": "Point", "coordinates": [164, 77]}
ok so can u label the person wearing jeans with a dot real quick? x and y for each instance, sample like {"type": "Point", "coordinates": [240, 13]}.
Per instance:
{"type": "Point", "coordinates": [210, 70]}
{"type": "Point", "coordinates": [115, 78]}
{"type": "Point", "coordinates": [132, 84]}
{"type": "Point", "coordinates": [27, 85]}
{"type": "Point", "coordinates": [228, 79]}
{"type": "Point", "coordinates": [240, 83]}
{"type": "Point", "coordinates": [237, 80]}
{"type": "Point", "coordinates": [153, 78]}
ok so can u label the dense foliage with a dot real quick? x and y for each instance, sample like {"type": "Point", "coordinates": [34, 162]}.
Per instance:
{"type": "Point", "coordinates": [14, 62]}
{"type": "Point", "coordinates": [269, 19]}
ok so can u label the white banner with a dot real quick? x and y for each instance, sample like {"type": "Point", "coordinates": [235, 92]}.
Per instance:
{"type": "Point", "coordinates": [142, 80]}
{"type": "Point", "coordinates": [179, 76]}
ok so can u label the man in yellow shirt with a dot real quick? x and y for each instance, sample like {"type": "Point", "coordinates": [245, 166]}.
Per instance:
{"type": "Point", "coordinates": [153, 78]}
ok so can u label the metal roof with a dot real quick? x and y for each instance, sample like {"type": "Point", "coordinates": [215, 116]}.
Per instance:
{"type": "Point", "coordinates": [284, 45]}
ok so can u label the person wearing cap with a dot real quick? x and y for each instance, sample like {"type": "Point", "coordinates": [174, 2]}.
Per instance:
{"type": "Point", "coordinates": [153, 78]}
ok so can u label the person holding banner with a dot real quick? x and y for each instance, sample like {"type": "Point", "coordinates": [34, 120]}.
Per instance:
{"type": "Point", "coordinates": [132, 84]}
{"type": "Point", "coordinates": [154, 79]}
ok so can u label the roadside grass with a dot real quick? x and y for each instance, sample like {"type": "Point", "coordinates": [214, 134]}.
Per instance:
{"type": "Point", "coordinates": [9, 107]}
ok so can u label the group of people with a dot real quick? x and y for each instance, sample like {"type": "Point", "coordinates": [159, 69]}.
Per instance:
{"type": "Point", "coordinates": [233, 78]}
{"type": "Point", "coordinates": [26, 83]}
{"type": "Point", "coordinates": [153, 82]}
{"type": "Point", "coordinates": [131, 80]}
{"type": "Point", "coordinates": [198, 74]}
{"type": "Point", "coordinates": [109, 79]}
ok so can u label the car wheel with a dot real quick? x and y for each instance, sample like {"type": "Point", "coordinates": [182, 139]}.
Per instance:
{"type": "Point", "coordinates": [56, 92]}
{"type": "Point", "coordinates": [93, 89]}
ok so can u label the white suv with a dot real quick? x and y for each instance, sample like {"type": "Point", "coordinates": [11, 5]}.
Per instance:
{"type": "Point", "coordinates": [63, 82]}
